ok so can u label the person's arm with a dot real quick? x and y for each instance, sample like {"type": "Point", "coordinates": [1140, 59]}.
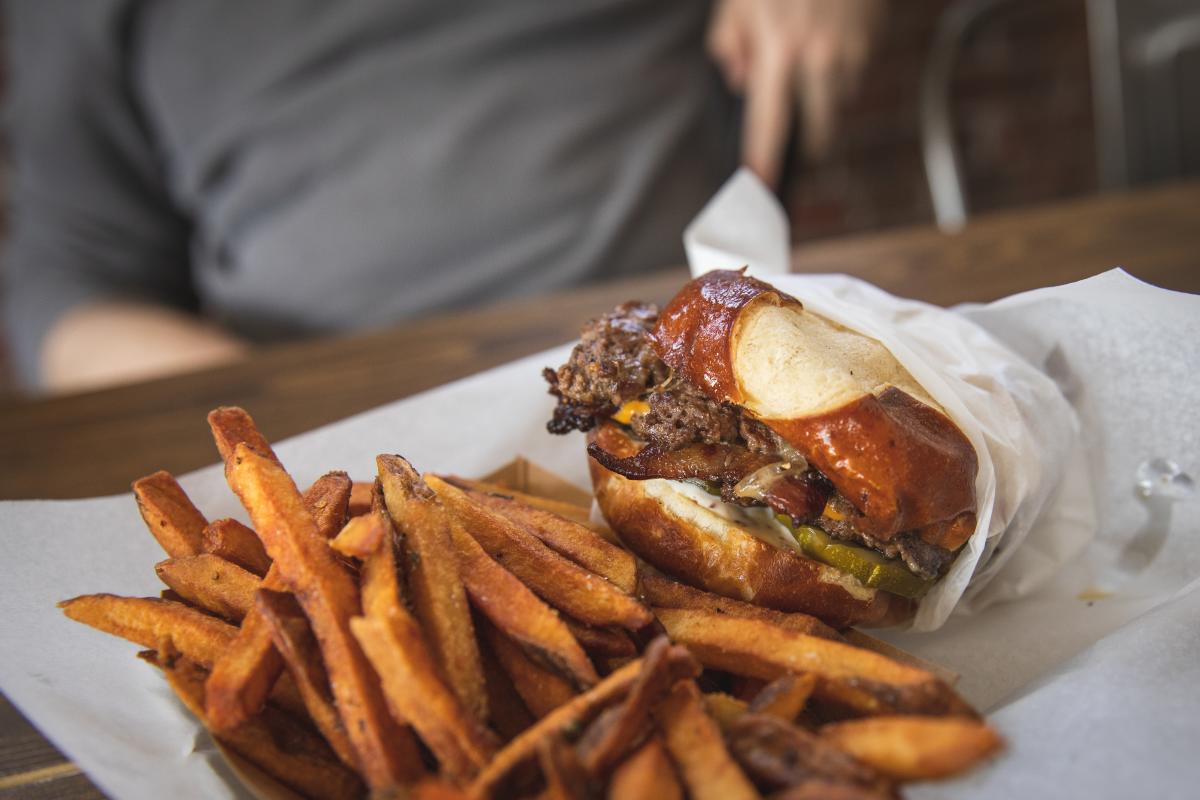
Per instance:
{"type": "Point", "coordinates": [95, 238]}
{"type": "Point", "coordinates": [103, 343]}
{"type": "Point", "coordinates": [780, 52]}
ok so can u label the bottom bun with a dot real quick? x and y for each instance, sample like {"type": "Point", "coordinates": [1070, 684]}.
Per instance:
{"type": "Point", "coordinates": [685, 534]}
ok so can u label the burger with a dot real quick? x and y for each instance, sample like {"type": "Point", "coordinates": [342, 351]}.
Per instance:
{"type": "Point", "coordinates": [752, 448]}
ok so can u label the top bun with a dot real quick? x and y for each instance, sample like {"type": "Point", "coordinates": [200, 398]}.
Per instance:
{"type": "Point", "coordinates": [838, 397]}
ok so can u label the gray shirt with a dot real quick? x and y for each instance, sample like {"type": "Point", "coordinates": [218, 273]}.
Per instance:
{"type": "Point", "coordinates": [294, 167]}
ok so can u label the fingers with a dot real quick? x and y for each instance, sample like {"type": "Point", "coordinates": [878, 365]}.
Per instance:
{"type": "Point", "coordinates": [768, 114]}
{"type": "Point", "coordinates": [820, 84]}
{"type": "Point", "coordinates": [728, 45]}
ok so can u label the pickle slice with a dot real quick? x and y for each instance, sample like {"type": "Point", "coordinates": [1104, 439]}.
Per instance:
{"type": "Point", "coordinates": [869, 567]}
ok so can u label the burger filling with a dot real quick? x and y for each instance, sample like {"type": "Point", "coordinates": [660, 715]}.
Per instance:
{"type": "Point", "coordinates": [615, 374]}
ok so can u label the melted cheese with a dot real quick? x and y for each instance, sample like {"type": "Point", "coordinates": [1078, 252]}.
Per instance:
{"type": "Point", "coordinates": [626, 411]}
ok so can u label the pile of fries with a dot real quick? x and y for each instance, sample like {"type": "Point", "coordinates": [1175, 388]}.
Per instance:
{"type": "Point", "coordinates": [434, 637]}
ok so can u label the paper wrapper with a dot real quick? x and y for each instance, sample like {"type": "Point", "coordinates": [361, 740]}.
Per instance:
{"type": "Point", "coordinates": [1022, 428]}
{"type": "Point", "coordinates": [1090, 678]}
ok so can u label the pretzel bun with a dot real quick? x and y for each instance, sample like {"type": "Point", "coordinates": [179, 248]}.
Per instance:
{"type": "Point", "coordinates": [681, 534]}
{"type": "Point", "coordinates": [839, 398]}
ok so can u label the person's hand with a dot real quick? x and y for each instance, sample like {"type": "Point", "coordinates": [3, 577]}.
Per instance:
{"type": "Point", "coordinates": [777, 51]}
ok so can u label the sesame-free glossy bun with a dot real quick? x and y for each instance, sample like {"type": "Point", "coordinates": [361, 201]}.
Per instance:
{"type": "Point", "coordinates": [684, 538]}
{"type": "Point", "coordinates": [838, 397]}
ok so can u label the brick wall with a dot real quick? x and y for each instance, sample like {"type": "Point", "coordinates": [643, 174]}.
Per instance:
{"type": "Point", "coordinates": [1022, 107]}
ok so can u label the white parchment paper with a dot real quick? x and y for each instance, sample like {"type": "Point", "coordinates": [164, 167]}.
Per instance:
{"type": "Point", "coordinates": [1092, 677]}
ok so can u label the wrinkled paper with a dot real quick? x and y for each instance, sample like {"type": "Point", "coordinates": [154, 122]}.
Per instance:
{"type": "Point", "coordinates": [1091, 678]}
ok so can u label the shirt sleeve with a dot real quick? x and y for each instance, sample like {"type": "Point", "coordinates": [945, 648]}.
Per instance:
{"type": "Point", "coordinates": [90, 217]}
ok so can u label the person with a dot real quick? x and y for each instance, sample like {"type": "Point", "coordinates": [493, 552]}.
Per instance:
{"type": "Point", "coordinates": [191, 178]}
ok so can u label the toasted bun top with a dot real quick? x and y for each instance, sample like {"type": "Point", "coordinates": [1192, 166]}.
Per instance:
{"type": "Point", "coordinates": [840, 398]}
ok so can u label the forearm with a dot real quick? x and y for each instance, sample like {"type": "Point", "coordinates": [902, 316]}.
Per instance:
{"type": "Point", "coordinates": [112, 342]}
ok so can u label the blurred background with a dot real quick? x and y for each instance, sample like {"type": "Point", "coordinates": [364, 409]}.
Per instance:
{"type": "Point", "coordinates": [972, 106]}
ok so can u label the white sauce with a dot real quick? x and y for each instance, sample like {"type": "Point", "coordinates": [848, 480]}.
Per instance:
{"type": "Point", "coordinates": [709, 513]}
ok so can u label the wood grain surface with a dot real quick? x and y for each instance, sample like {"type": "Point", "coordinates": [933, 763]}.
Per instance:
{"type": "Point", "coordinates": [96, 443]}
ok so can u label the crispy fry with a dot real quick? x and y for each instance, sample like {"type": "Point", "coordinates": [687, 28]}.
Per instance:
{"type": "Point", "coordinates": [361, 536]}
{"type": "Point", "coordinates": [435, 587]}
{"type": "Point", "coordinates": [232, 426]}
{"type": "Point", "coordinates": [507, 714]}
{"type": "Point", "coordinates": [568, 537]}
{"type": "Point", "coordinates": [578, 513]}
{"type": "Point", "coordinates": [294, 639]}
{"type": "Point", "coordinates": [785, 697]}
{"type": "Point", "coordinates": [240, 681]}
{"type": "Point", "coordinates": [603, 642]}
{"type": "Point", "coordinates": [541, 689]}
{"type": "Point", "coordinates": [169, 514]}
{"type": "Point", "coordinates": [696, 747]}
{"type": "Point", "coordinates": [910, 748]}
{"type": "Point", "coordinates": [233, 541]}
{"type": "Point", "coordinates": [662, 592]}
{"type": "Point", "coordinates": [856, 682]}
{"type": "Point", "coordinates": [155, 623]}
{"type": "Point", "coordinates": [571, 715]}
{"type": "Point", "coordinates": [360, 498]}
{"type": "Point", "coordinates": [565, 776]}
{"type": "Point", "coordinates": [778, 754]}
{"type": "Point", "coordinates": [603, 746]}
{"type": "Point", "coordinates": [646, 775]}
{"type": "Point", "coordinates": [328, 500]}
{"type": "Point", "coordinates": [562, 583]}
{"type": "Point", "coordinates": [211, 583]}
{"type": "Point", "coordinates": [386, 753]}
{"type": "Point", "coordinates": [418, 696]}
{"type": "Point", "coordinates": [518, 612]}
{"type": "Point", "coordinates": [273, 742]}
{"type": "Point", "coordinates": [724, 708]}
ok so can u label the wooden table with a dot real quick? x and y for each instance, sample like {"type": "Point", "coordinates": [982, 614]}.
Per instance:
{"type": "Point", "coordinates": [95, 443]}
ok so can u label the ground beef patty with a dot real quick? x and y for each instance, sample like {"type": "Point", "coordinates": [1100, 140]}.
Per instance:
{"type": "Point", "coordinates": [613, 362]}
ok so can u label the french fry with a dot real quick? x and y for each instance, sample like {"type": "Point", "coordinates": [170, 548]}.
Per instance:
{"type": "Point", "coordinates": [435, 586]}
{"type": "Point", "coordinates": [360, 498]}
{"type": "Point", "coordinates": [603, 642]}
{"type": "Point", "coordinates": [416, 694]}
{"type": "Point", "coordinates": [662, 592]}
{"type": "Point", "coordinates": [154, 623]}
{"type": "Point", "coordinates": [566, 779]}
{"type": "Point", "coordinates": [273, 742]}
{"type": "Point", "coordinates": [915, 748]}
{"type": "Point", "coordinates": [603, 745]}
{"type": "Point", "coordinates": [386, 753]}
{"type": "Point", "coordinates": [695, 744]}
{"type": "Point", "coordinates": [240, 682]}
{"type": "Point", "coordinates": [541, 689]}
{"type": "Point", "coordinates": [233, 541]}
{"type": "Point", "coordinates": [157, 623]}
{"type": "Point", "coordinates": [568, 537]}
{"type": "Point", "coordinates": [785, 697]}
{"type": "Point", "coordinates": [169, 514]}
{"type": "Point", "coordinates": [415, 689]}
{"type": "Point", "coordinates": [507, 713]}
{"type": "Point", "coordinates": [562, 583]}
{"type": "Point", "coordinates": [212, 583]}
{"type": "Point", "coordinates": [361, 536]}
{"type": "Point", "coordinates": [328, 500]}
{"type": "Point", "coordinates": [824, 789]}
{"type": "Point", "coordinates": [646, 775]}
{"type": "Point", "coordinates": [778, 754]}
{"type": "Point", "coordinates": [572, 715]}
{"type": "Point", "coordinates": [518, 612]}
{"type": "Point", "coordinates": [294, 639]}
{"type": "Point", "coordinates": [577, 513]}
{"type": "Point", "coordinates": [232, 426]}
{"type": "Point", "coordinates": [854, 681]}
{"type": "Point", "coordinates": [724, 708]}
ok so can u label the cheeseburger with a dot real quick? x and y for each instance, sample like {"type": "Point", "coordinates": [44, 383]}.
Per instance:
{"type": "Point", "coordinates": [752, 448]}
